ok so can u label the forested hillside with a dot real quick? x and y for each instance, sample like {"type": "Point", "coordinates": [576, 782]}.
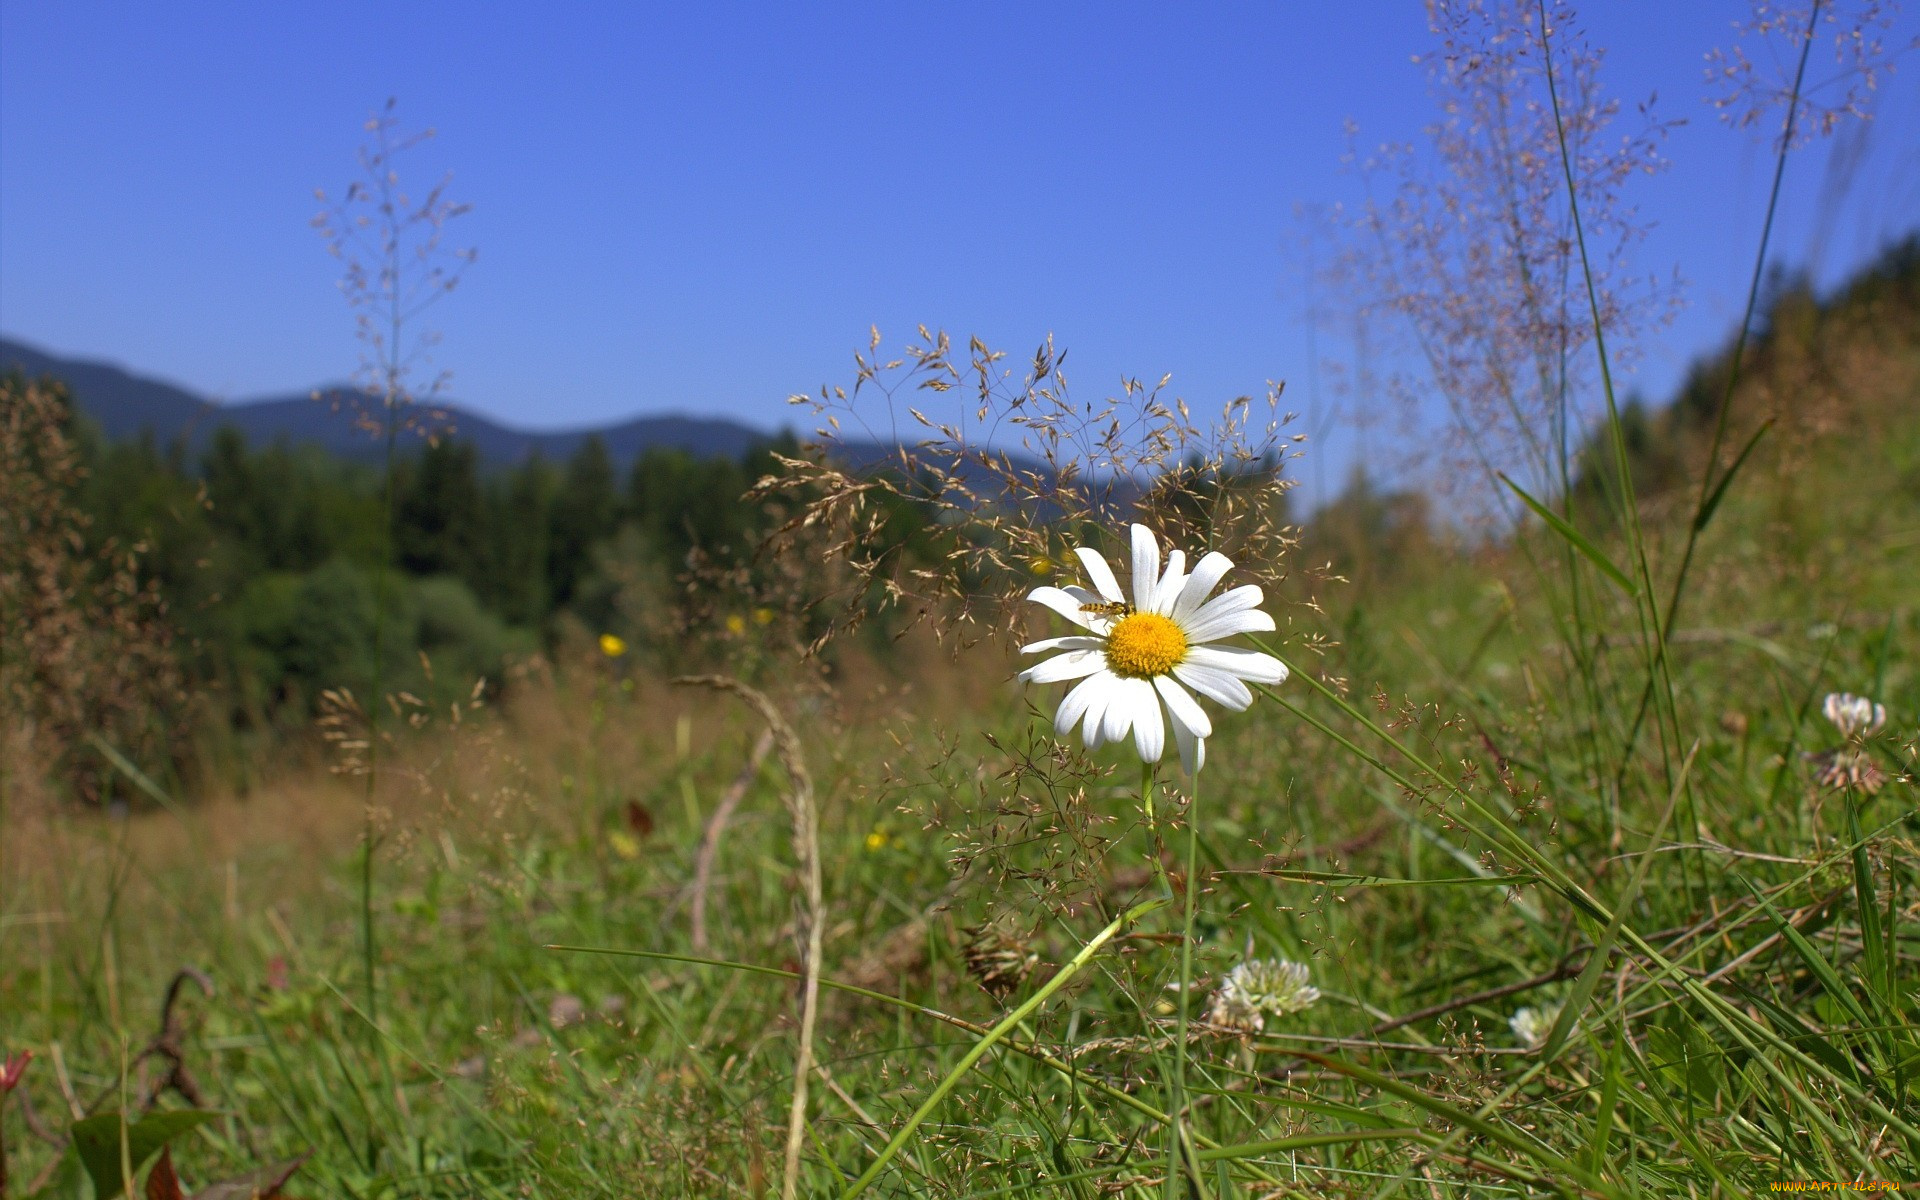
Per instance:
{"type": "Point", "coordinates": [266, 559]}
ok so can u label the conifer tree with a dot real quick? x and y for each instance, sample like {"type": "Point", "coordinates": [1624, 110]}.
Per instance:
{"type": "Point", "coordinates": [585, 509]}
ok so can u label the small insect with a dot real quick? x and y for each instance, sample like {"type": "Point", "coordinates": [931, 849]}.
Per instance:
{"type": "Point", "coordinates": [1109, 608]}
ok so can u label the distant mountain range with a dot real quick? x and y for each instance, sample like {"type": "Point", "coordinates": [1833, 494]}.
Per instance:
{"type": "Point", "coordinates": [126, 405]}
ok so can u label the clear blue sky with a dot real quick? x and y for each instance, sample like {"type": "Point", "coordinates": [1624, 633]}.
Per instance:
{"type": "Point", "coordinates": [704, 206]}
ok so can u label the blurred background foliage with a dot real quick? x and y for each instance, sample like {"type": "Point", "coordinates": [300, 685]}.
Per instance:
{"type": "Point", "coordinates": [262, 562]}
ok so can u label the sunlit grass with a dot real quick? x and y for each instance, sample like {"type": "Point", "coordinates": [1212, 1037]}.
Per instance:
{"type": "Point", "coordinates": [1525, 877]}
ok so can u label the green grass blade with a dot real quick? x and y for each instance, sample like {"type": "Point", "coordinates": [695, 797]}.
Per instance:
{"type": "Point", "coordinates": [999, 1031]}
{"type": "Point", "coordinates": [1589, 977]}
{"type": "Point", "coordinates": [1560, 1174]}
{"type": "Point", "coordinates": [1609, 1101]}
{"type": "Point", "coordinates": [1712, 502]}
{"type": "Point", "coordinates": [1574, 538]}
{"type": "Point", "coordinates": [1343, 879]}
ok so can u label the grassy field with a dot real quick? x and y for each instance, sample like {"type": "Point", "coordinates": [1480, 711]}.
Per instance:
{"type": "Point", "coordinates": [1572, 857]}
{"type": "Point", "coordinates": [1468, 801]}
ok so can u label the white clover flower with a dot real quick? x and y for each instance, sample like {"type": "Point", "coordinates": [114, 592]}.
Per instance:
{"type": "Point", "coordinates": [1532, 1025]}
{"type": "Point", "coordinates": [1259, 988]}
{"type": "Point", "coordinates": [1854, 716]}
{"type": "Point", "coordinates": [1137, 653]}
{"type": "Point", "coordinates": [1847, 767]}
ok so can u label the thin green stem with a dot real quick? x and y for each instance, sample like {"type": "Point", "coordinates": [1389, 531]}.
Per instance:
{"type": "Point", "coordinates": [1153, 828]}
{"type": "Point", "coordinates": [392, 400]}
{"type": "Point", "coordinates": [382, 584]}
{"type": "Point", "coordinates": [1653, 629]}
{"type": "Point", "coordinates": [1176, 1144]}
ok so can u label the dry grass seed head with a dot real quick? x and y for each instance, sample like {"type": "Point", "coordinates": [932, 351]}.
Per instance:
{"type": "Point", "coordinates": [86, 649]}
{"type": "Point", "coordinates": [1003, 486]}
{"type": "Point", "coordinates": [1466, 247]}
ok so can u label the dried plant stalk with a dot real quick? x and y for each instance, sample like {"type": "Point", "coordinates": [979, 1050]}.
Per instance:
{"type": "Point", "coordinates": [716, 828]}
{"type": "Point", "coordinates": [806, 850]}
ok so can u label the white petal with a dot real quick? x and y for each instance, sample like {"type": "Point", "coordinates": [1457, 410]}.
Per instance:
{"type": "Point", "coordinates": [1149, 734]}
{"type": "Point", "coordinates": [1184, 709]}
{"type": "Point", "coordinates": [1078, 641]}
{"type": "Point", "coordinates": [1088, 696]}
{"type": "Point", "coordinates": [1094, 729]}
{"type": "Point", "coordinates": [1063, 602]}
{"type": "Point", "coordinates": [1206, 573]}
{"type": "Point", "coordinates": [1120, 713]}
{"type": "Point", "coordinates": [1214, 684]}
{"type": "Point", "coordinates": [1100, 574]}
{"type": "Point", "coordinates": [1193, 750]}
{"type": "Point", "coordinates": [1247, 664]}
{"type": "Point", "coordinates": [1247, 595]}
{"type": "Point", "coordinates": [1168, 589]}
{"type": "Point", "coordinates": [1146, 567]}
{"type": "Point", "coordinates": [1074, 664]}
{"type": "Point", "coordinates": [1227, 624]}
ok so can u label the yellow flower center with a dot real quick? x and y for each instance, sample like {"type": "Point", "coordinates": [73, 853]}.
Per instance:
{"type": "Point", "coordinates": [1145, 644]}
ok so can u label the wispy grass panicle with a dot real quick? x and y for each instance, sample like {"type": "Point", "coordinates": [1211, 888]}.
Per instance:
{"type": "Point", "coordinates": [998, 467]}
{"type": "Point", "coordinates": [1753, 81]}
{"type": "Point", "coordinates": [396, 264]}
{"type": "Point", "coordinates": [1464, 249]}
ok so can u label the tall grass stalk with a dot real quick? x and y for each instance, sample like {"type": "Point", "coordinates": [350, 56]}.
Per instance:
{"type": "Point", "coordinates": [1713, 480]}
{"type": "Point", "coordinates": [1652, 629]}
{"type": "Point", "coordinates": [802, 813]}
{"type": "Point", "coordinates": [1758, 1038]}
{"type": "Point", "coordinates": [390, 244]}
{"type": "Point", "coordinates": [370, 784]}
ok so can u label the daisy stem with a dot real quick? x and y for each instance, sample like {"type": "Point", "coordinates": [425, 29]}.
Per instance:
{"type": "Point", "coordinates": [1153, 828]}
{"type": "Point", "coordinates": [1176, 1109]}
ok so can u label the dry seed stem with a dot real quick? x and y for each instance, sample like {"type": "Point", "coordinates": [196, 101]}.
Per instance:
{"type": "Point", "coordinates": [806, 849]}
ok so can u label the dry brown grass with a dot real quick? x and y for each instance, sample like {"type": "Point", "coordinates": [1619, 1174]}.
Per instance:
{"type": "Point", "coordinates": [85, 647]}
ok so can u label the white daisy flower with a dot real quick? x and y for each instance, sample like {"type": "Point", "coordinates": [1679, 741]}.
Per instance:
{"type": "Point", "coordinates": [1855, 716]}
{"type": "Point", "coordinates": [1146, 650]}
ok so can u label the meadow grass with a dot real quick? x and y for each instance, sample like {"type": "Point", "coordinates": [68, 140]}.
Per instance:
{"type": "Point", "coordinates": [1592, 895]}
{"type": "Point", "coordinates": [1427, 815]}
